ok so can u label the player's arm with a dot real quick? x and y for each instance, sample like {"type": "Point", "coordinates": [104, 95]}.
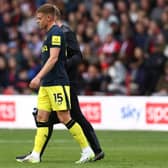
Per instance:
{"type": "Point", "coordinates": [55, 45]}
{"type": "Point", "coordinates": [54, 53]}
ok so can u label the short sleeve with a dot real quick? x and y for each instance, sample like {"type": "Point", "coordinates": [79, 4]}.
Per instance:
{"type": "Point", "coordinates": [55, 40]}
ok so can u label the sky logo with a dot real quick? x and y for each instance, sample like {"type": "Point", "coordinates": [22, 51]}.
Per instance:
{"type": "Point", "coordinates": [130, 112]}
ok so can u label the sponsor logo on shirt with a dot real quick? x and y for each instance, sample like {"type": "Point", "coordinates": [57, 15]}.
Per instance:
{"type": "Point", "coordinates": [56, 40]}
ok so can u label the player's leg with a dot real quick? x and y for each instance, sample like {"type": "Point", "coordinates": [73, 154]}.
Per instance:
{"type": "Point", "coordinates": [53, 119]}
{"type": "Point", "coordinates": [40, 139]}
{"type": "Point", "coordinates": [86, 126]}
{"type": "Point", "coordinates": [42, 129]}
{"type": "Point", "coordinates": [73, 127]}
{"type": "Point", "coordinates": [77, 133]}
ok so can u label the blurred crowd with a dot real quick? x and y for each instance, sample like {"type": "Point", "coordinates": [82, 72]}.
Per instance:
{"type": "Point", "coordinates": [124, 45]}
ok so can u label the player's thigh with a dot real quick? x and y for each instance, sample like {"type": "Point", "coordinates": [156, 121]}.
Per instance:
{"type": "Point", "coordinates": [59, 97]}
{"type": "Point", "coordinates": [43, 100]}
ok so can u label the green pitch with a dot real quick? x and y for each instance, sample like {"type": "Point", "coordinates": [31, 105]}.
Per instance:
{"type": "Point", "coordinates": [122, 149]}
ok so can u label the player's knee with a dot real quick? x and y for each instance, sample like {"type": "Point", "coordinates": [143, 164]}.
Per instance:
{"type": "Point", "coordinates": [64, 116]}
{"type": "Point", "coordinates": [41, 119]}
{"type": "Point", "coordinates": [42, 116]}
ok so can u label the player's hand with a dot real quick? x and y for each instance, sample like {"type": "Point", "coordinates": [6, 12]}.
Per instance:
{"type": "Point", "coordinates": [35, 83]}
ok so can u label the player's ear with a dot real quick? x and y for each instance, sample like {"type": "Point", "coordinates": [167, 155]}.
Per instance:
{"type": "Point", "coordinates": [49, 17]}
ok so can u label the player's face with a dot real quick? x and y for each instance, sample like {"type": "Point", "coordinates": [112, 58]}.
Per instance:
{"type": "Point", "coordinates": [41, 20]}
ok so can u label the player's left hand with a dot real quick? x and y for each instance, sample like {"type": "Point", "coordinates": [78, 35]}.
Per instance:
{"type": "Point", "coordinates": [35, 83]}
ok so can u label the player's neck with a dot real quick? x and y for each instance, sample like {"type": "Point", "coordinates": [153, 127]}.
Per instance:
{"type": "Point", "coordinates": [50, 25]}
{"type": "Point", "coordinates": [59, 23]}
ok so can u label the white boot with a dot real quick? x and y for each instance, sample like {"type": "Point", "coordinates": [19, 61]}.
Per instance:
{"type": "Point", "coordinates": [31, 158]}
{"type": "Point", "coordinates": [87, 155]}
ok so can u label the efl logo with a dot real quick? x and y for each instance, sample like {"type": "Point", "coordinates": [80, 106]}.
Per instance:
{"type": "Point", "coordinates": [7, 111]}
{"type": "Point", "coordinates": [157, 113]}
{"type": "Point", "coordinates": [92, 111]}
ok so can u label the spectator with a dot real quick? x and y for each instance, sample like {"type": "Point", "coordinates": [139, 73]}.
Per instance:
{"type": "Point", "coordinates": [122, 6]}
{"type": "Point", "coordinates": [141, 37]}
{"type": "Point", "coordinates": [145, 6]}
{"type": "Point", "coordinates": [117, 72]}
{"type": "Point", "coordinates": [158, 10]}
{"type": "Point", "coordinates": [93, 80]}
{"type": "Point", "coordinates": [103, 27]}
{"type": "Point", "coordinates": [154, 67]}
{"type": "Point", "coordinates": [114, 24]}
{"type": "Point", "coordinates": [137, 70]}
{"type": "Point", "coordinates": [110, 46]}
{"type": "Point", "coordinates": [133, 12]}
{"type": "Point", "coordinates": [127, 46]}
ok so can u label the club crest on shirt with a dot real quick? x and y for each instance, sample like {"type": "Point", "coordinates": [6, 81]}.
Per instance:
{"type": "Point", "coordinates": [44, 48]}
{"type": "Point", "coordinates": [56, 40]}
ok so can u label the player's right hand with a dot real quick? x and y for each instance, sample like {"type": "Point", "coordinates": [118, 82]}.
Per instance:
{"type": "Point", "coordinates": [35, 83]}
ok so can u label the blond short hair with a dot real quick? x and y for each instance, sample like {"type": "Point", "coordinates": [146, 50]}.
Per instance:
{"type": "Point", "coordinates": [49, 9]}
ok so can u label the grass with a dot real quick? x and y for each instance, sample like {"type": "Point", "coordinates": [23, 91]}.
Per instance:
{"type": "Point", "coordinates": [123, 149]}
